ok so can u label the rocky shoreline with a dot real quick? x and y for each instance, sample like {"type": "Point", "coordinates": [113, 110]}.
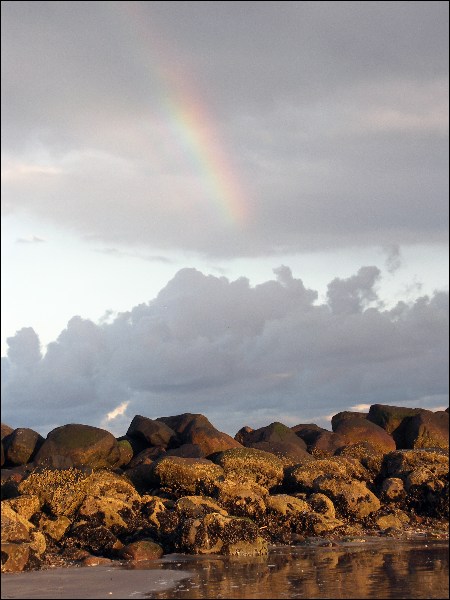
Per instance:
{"type": "Point", "coordinates": [177, 484]}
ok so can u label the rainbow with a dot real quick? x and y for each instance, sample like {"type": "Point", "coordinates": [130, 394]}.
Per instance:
{"type": "Point", "coordinates": [185, 113]}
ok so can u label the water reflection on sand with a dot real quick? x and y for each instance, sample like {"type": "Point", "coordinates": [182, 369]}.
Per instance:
{"type": "Point", "coordinates": [368, 568]}
{"type": "Point", "coordinates": [353, 570]}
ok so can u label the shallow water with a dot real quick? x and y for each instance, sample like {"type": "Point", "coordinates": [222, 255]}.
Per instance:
{"type": "Point", "coordinates": [358, 569]}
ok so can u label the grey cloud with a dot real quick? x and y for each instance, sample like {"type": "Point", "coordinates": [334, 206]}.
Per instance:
{"type": "Point", "coordinates": [393, 258]}
{"type": "Point", "coordinates": [332, 118]}
{"type": "Point", "coordinates": [236, 353]}
{"type": "Point", "coordinates": [30, 240]}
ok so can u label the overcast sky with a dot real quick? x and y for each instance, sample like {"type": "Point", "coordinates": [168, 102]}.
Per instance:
{"type": "Point", "coordinates": [233, 208]}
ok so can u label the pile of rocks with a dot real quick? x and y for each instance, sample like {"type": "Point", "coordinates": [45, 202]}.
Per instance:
{"type": "Point", "coordinates": [178, 484]}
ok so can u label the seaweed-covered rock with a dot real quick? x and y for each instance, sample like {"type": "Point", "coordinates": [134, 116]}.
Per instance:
{"type": "Point", "coordinates": [79, 445]}
{"type": "Point", "coordinates": [392, 490]}
{"type": "Point", "coordinates": [196, 429]}
{"type": "Point", "coordinates": [21, 446]}
{"type": "Point", "coordinates": [354, 430]}
{"type": "Point", "coordinates": [191, 476]}
{"type": "Point", "coordinates": [221, 534]}
{"type": "Point", "coordinates": [97, 539]}
{"type": "Point", "coordinates": [250, 463]}
{"type": "Point", "coordinates": [287, 514]}
{"type": "Point", "coordinates": [142, 550]}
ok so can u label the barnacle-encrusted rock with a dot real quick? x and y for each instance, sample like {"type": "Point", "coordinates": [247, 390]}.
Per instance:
{"type": "Point", "coordinates": [350, 498]}
{"type": "Point", "coordinates": [61, 492]}
{"type": "Point", "coordinates": [286, 514]}
{"type": "Point", "coordinates": [191, 476]}
{"type": "Point", "coordinates": [243, 498]}
{"type": "Point", "coordinates": [191, 507]}
{"type": "Point", "coordinates": [25, 505]}
{"type": "Point", "coordinates": [250, 463]}
{"type": "Point", "coordinates": [302, 477]}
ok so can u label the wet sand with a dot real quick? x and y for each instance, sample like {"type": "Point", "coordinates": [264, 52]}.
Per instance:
{"type": "Point", "coordinates": [91, 582]}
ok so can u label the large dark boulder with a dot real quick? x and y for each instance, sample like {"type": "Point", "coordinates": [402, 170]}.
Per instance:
{"type": "Point", "coordinates": [152, 432]}
{"type": "Point", "coordinates": [361, 430]}
{"type": "Point", "coordinates": [344, 416]}
{"type": "Point", "coordinates": [21, 446]}
{"type": "Point", "coordinates": [279, 440]}
{"type": "Point", "coordinates": [6, 430]}
{"type": "Point", "coordinates": [391, 418]}
{"type": "Point", "coordinates": [196, 429]}
{"type": "Point", "coordinates": [426, 430]}
{"type": "Point", "coordinates": [76, 445]}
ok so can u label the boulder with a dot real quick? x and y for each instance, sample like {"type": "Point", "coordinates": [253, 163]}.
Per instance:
{"type": "Point", "coordinates": [60, 491]}
{"type": "Point", "coordinates": [196, 429]}
{"type": "Point", "coordinates": [221, 534]}
{"type": "Point", "coordinates": [243, 498]}
{"type": "Point", "coordinates": [183, 476]}
{"type": "Point", "coordinates": [301, 478]}
{"type": "Point", "coordinates": [79, 445]}
{"type": "Point", "coordinates": [391, 418]}
{"type": "Point", "coordinates": [287, 514]}
{"type": "Point", "coordinates": [21, 446]}
{"type": "Point", "coordinates": [152, 432]}
{"type": "Point", "coordinates": [125, 452]}
{"type": "Point", "coordinates": [15, 556]}
{"type": "Point", "coordinates": [354, 430]}
{"type": "Point", "coordinates": [192, 507]}
{"type": "Point", "coordinates": [5, 430]}
{"type": "Point", "coordinates": [344, 416]}
{"type": "Point", "coordinates": [279, 440]}
{"type": "Point", "coordinates": [142, 550]}
{"type": "Point", "coordinates": [370, 458]}
{"type": "Point", "coordinates": [426, 430]}
{"type": "Point", "coordinates": [351, 498]}
{"type": "Point", "coordinates": [326, 444]}
{"type": "Point", "coordinates": [250, 463]}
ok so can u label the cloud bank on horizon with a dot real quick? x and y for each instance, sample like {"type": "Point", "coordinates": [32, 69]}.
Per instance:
{"type": "Point", "coordinates": [236, 353]}
{"type": "Point", "coordinates": [219, 132]}
{"type": "Point", "coordinates": [228, 129]}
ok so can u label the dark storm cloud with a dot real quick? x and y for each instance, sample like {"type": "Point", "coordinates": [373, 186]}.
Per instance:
{"type": "Point", "coordinates": [236, 353]}
{"type": "Point", "coordinates": [332, 117]}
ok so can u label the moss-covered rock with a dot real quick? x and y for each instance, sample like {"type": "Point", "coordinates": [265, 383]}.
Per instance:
{"type": "Point", "coordinates": [76, 445]}
{"type": "Point", "coordinates": [250, 463]}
